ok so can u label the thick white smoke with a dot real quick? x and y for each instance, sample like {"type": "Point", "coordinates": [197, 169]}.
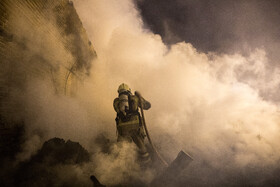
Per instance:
{"type": "Point", "coordinates": [205, 104]}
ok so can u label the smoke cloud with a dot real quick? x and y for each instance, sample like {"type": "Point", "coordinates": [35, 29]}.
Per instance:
{"type": "Point", "coordinates": [205, 104]}
{"type": "Point", "coordinates": [208, 105]}
{"type": "Point", "coordinates": [218, 26]}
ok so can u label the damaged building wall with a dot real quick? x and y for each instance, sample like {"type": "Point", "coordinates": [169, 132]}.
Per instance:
{"type": "Point", "coordinates": [42, 40]}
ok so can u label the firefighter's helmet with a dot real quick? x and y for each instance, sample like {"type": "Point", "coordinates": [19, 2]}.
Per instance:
{"type": "Point", "coordinates": [124, 88]}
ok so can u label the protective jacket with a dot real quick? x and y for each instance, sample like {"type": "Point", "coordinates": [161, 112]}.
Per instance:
{"type": "Point", "coordinates": [128, 118]}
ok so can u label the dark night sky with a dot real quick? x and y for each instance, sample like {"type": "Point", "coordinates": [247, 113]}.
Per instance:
{"type": "Point", "coordinates": [216, 25]}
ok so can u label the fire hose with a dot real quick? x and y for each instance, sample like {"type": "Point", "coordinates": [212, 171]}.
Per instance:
{"type": "Point", "coordinates": [147, 132]}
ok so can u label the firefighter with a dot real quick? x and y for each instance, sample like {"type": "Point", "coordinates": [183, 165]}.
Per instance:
{"type": "Point", "coordinates": [129, 121]}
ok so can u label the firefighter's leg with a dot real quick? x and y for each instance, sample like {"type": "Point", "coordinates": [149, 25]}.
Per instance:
{"type": "Point", "coordinates": [124, 138]}
{"type": "Point", "coordinates": [143, 153]}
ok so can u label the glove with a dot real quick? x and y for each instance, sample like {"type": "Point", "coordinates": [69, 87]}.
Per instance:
{"type": "Point", "coordinates": [138, 94]}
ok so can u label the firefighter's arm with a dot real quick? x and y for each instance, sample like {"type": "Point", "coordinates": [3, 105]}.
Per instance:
{"type": "Point", "coordinates": [146, 104]}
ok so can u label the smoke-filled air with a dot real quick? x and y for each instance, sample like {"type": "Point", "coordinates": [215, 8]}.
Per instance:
{"type": "Point", "coordinates": [210, 105]}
